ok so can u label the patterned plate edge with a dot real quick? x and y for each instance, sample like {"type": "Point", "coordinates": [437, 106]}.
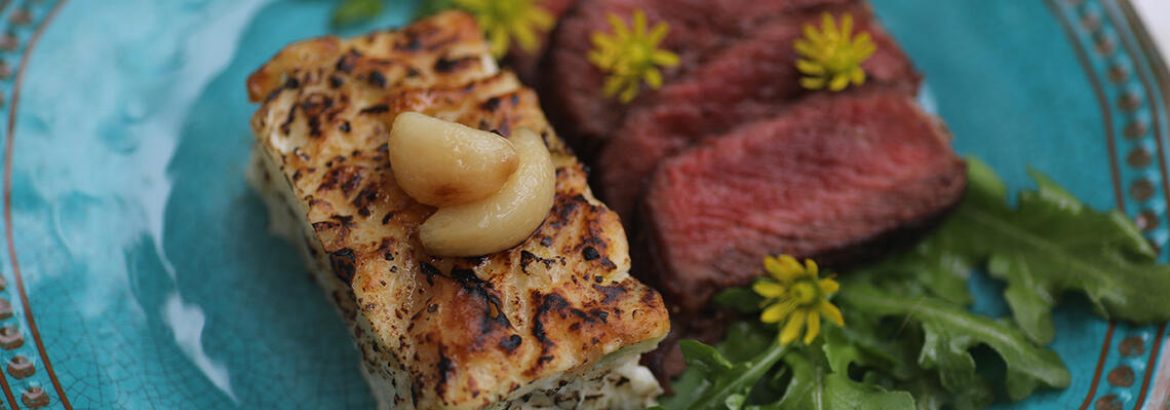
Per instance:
{"type": "Point", "coordinates": [1117, 55]}
{"type": "Point", "coordinates": [25, 24]}
{"type": "Point", "coordinates": [1122, 53]}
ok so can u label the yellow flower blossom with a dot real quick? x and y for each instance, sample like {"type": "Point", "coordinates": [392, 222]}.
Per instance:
{"type": "Point", "coordinates": [831, 57]}
{"type": "Point", "coordinates": [631, 56]}
{"type": "Point", "coordinates": [505, 20]}
{"type": "Point", "coordinates": [795, 298]}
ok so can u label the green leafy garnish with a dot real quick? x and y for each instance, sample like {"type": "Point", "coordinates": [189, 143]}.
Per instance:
{"type": "Point", "coordinates": [922, 359]}
{"type": "Point", "coordinates": [741, 300]}
{"type": "Point", "coordinates": [432, 7]}
{"type": "Point", "coordinates": [821, 379]}
{"type": "Point", "coordinates": [727, 371]}
{"type": "Point", "coordinates": [951, 331]}
{"type": "Point", "coordinates": [821, 386]}
{"type": "Point", "coordinates": [934, 265]}
{"type": "Point", "coordinates": [724, 377]}
{"type": "Point", "coordinates": [1049, 244]}
{"type": "Point", "coordinates": [730, 382]}
{"type": "Point", "coordinates": [1053, 243]}
{"type": "Point", "coordinates": [355, 11]}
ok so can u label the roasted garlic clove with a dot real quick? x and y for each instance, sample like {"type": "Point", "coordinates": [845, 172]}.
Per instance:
{"type": "Point", "coordinates": [443, 163]}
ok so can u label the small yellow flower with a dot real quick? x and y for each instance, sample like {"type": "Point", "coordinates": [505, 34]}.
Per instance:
{"type": "Point", "coordinates": [631, 56]}
{"type": "Point", "coordinates": [795, 298]}
{"type": "Point", "coordinates": [831, 57]}
{"type": "Point", "coordinates": [505, 20]}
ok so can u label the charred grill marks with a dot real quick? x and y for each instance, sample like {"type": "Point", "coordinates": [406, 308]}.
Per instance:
{"type": "Point", "coordinates": [494, 315]}
{"type": "Point", "coordinates": [342, 262]}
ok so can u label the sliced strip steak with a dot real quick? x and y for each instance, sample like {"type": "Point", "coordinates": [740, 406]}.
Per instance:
{"type": "Point", "coordinates": [832, 173]}
{"type": "Point", "coordinates": [756, 78]}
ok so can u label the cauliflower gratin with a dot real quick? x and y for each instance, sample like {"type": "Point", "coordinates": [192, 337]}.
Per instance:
{"type": "Point", "coordinates": [554, 322]}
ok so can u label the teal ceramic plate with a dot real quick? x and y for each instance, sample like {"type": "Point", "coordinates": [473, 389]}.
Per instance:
{"type": "Point", "coordinates": [138, 273]}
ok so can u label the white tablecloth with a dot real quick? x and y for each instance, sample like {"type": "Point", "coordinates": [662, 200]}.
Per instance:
{"type": "Point", "coordinates": [1156, 14]}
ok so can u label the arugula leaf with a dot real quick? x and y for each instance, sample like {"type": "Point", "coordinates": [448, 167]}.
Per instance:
{"type": "Point", "coordinates": [1052, 243]}
{"type": "Point", "coordinates": [934, 265]}
{"type": "Point", "coordinates": [929, 394]}
{"type": "Point", "coordinates": [842, 351]}
{"type": "Point", "coordinates": [741, 372]}
{"type": "Point", "coordinates": [888, 350]}
{"type": "Point", "coordinates": [431, 7]}
{"type": "Point", "coordinates": [888, 354]}
{"type": "Point", "coordinates": [950, 331]}
{"type": "Point", "coordinates": [355, 11]}
{"type": "Point", "coordinates": [745, 339]}
{"type": "Point", "coordinates": [742, 300]}
{"type": "Point", "coordinates": [814, 387]}
{"type": "Point", "coordinates": [728, 383]}
{"type": "Point", "coordinates": [1049, 244]}
{"type": "Point", "coordinates": [924, 362]}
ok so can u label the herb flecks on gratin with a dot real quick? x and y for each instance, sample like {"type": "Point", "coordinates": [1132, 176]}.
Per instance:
{"type": "Point", "coordinates": [796, 298]}
{"type": "Point", "coordinates": [831, 56]}
{"type": "Point", "coordinates": [507, 20]}
{"type": "Point", "coordinates": [631, 55]}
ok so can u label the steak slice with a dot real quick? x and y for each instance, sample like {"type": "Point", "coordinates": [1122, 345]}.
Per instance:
{"type": "Point", "coordinates": [753, 79]}
{"type": "Point", "coordinates": [698, 29]}
{"type": "Point", "coordinates": [835, 173]}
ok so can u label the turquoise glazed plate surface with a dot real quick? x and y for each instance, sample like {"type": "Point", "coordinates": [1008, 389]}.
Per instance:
{"type": "Point", "coordinates": [137, 271]}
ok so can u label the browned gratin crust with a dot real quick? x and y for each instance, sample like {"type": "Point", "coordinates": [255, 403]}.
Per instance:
{"type": "Point", "coordinates": [468, 332]}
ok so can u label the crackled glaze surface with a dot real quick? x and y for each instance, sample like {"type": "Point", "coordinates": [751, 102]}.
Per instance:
{"type": "Point", "coordinates": [138, 273]}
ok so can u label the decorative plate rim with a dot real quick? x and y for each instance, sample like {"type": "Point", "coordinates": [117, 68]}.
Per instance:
{"type": "Point", "coordinates": [1135, 72]}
